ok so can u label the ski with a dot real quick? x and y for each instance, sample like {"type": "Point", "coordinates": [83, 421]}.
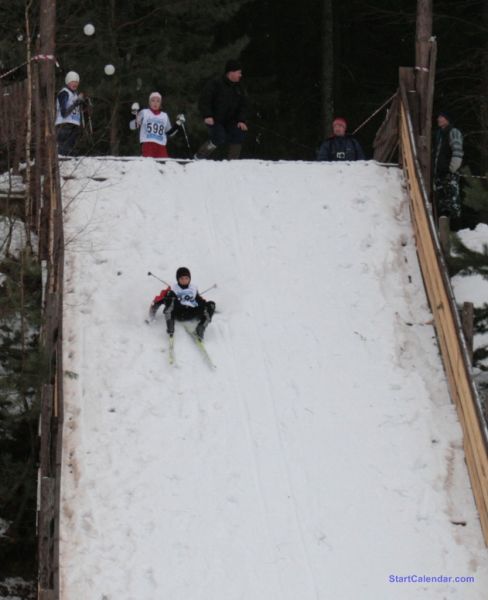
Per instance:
{"type": "Point", "coordinates": [171, 350]}
{"type": "Point", "coordinates": [201, 347]}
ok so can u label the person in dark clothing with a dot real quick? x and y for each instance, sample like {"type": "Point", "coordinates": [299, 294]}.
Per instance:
{"type": "Point", "coordinates": [223, 106]}
{"type": "Point", "coordinates": [447, 160]}
{"type": "Point", "coordinates": [182, 301]}
{"type": "Point", "coordinates": [340, 146]}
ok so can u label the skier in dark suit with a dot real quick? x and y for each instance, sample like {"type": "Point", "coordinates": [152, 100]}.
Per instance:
{"type": "Point", "coordinates": [182, 302]}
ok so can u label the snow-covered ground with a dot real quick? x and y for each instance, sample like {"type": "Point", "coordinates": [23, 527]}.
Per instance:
{"type": "Point", "coordinates": [474, 287]}
{"type": "Point", "coordinates": [322, 458]}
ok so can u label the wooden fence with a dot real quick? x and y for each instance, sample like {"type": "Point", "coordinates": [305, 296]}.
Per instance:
{"type": "Point", "coordinates": [27, 137]}
{"type": "Point", "coordinates": [49, 218]}
{"type": "Point", "coordinates": [12, 122]}
{"type": "Point", "coordinates": [452, 345]}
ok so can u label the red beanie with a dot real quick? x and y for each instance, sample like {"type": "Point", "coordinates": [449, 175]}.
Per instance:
{"type": "Point", "coordinates": [340, 120]}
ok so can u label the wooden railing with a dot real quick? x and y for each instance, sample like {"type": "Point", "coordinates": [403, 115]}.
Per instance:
{"type": "Point", "coordinates": [446, 317]}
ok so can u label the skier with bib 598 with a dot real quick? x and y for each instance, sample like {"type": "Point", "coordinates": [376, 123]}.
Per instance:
{"type": "Point", "coordinates": [183, 302]}
{"type": "Point", "coordinates": [155, 127]}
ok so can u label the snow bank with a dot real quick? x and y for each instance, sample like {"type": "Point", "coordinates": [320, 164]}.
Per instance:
{"type": "Point", "coordinates": [474, 287]}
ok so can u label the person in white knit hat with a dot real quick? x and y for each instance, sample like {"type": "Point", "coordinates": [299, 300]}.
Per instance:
{"type": "Point", "coordinates": [69, 115]}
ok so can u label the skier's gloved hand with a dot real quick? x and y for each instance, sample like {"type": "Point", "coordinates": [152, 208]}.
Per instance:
{"type": "Point", "coordinates": [81, 100]}
{"type": "Point", "coordinates": [134, 109]}
{"type": "Point", "coordinates": [152, 312]}
{"type": "Point", "coordinates": [133, 125]}
{"type": "Point", "coordinates": [180, 120]}
{"type": "Point", "coordinates": [455, 164]}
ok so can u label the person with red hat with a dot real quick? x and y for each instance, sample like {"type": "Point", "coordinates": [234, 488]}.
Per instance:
{"type": "Point", "coordinates": [340, 146]}
{"type": "Point", "coordinates": [223, 106]}
{"type": "Point", "coordinates": [182, 302]}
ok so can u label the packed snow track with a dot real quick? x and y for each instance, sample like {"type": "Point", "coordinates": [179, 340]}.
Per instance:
{"type": "Point", "coordinates": [322, 459]}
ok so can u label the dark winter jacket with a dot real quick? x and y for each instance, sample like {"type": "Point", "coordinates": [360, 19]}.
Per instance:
{"type": "Point", "coordinates": [223, 100]}
{"type": "Point", "coordinates": [448, 144]}
{"type": "Point", "coordinates": [343, 147]}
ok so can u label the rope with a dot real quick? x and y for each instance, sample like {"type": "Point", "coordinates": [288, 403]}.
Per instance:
{"type": "Point", "coordinates": [37, 57]}
{"type": "Point", "coordinates": [295, 143]}
{"type": "Point", "coordinates": [374, 114]}
{"type": "Point", "coordinates": [473, 176]}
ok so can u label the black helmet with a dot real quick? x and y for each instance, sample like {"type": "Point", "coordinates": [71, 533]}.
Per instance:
{"type": "Point", "coordinates": [181, 272]}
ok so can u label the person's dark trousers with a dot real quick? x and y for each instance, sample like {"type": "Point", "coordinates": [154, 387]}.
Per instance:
{"type": "Point", "coordinates": [174, 310]}
{"type": "Point", "coordinates": [220, 134]}
{"type": "Point", "coordinates": [67, 135]}
{"type": "Point", "coordinates": [228, 133]}
{"type": "Point", "coordinates": [447, 196]}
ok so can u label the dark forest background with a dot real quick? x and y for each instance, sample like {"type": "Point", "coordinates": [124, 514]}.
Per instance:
{"type": "Point", "coordinates": [287, 49]}
{"type": "Point", "coordinates": [174, 46]}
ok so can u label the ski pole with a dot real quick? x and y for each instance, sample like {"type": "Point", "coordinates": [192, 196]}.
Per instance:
{"type": "Point", "coordinates": [158, 278]}
{"type": "Point", "coordinates": [186, 137]}
{"type": "Point", "coordinates": [90, 125]}
{"type": "Point", "coordinates": [212, 287]}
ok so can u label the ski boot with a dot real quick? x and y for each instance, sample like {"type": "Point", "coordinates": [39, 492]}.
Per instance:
{"type": "Point", "coordinates": [205, 150]}
{"type": "Point", "coordinates": [205, 320]}
{"type": "Point", "coordinates": [200, 330]}
{"type": "Point", "coordinates": [168, 316]}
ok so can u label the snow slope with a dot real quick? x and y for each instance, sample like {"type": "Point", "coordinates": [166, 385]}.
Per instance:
{"type": "Point", "coordinates": [323, 458]}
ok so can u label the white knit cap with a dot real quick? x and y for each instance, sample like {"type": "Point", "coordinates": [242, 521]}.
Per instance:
{"type": "Point", "coordinates": [155, 95]}
{"type": "Point", "coordinates": [71, 76]}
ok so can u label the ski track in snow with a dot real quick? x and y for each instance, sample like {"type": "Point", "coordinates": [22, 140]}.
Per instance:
{"type": "Point", "coordinates": [321, 456]}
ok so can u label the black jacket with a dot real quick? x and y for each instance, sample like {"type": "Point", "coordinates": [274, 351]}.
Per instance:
{"type": "Point", "coordinates": [340, 148]}
{"type": "Point", "coordinates": [448, 143]}
{"type": "Point", "coordinates": [223, 100]}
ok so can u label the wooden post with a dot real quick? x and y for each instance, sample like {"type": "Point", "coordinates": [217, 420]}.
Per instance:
{"type": "Point", "coordinates": [424, 85]}
{"type": "Point", "coordinates": [28, 216]}
{"type": "Point", "coordinates": [467, 320]}
{"type": "Point", "coordinates": [444, 231]}
{"type": "Point", "coordinates": [51, 229]}
{"type": "Point", "coordinates": [428, 118]}
{"type": "Point", "coordinates": [47, 43]}
{"type": "Point", "coordinates": [36, 209]}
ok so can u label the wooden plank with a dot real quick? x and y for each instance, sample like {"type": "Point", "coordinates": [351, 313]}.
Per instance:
{"type": "Point", "coordinates": [452, 345]}
{"type": "Point", "coordinates": [45, 531]}
{"type": "Point", "coordinates": [467, 319]}
{"type": "Point", "coordinates": [45, 433]}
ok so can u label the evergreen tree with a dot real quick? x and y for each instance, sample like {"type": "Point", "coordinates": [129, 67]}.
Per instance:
{"type": "Point", "coordinates": [22, 371]}
{"type": "Point", "coordinates": [171, 47]}
{"type": "Point", "coordinates": [464, 261]}
{"type": "Point", "coordinates": [475, 195]}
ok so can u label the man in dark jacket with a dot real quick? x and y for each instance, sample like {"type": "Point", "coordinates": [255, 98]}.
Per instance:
{"type": "Point", "coordinates": [340, 146]}
{"type": "Point", "coordinates": [447, 159]}
{"type": "Point", "coordinates": [223, 108]}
